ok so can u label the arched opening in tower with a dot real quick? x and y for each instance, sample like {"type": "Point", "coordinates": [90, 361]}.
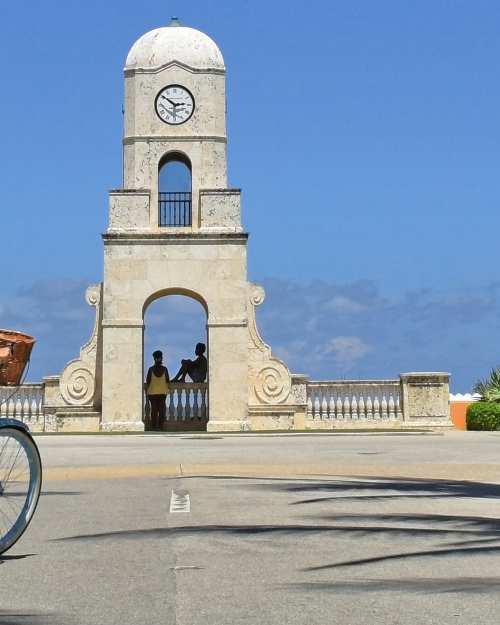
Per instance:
{"type": "Point", "coordinates": [176, 325]}
{"type": "Point", "coordinates": [174, 191]}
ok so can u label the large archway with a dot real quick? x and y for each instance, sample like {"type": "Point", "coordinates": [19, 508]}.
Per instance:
{"type": "Point", "coordinates": [174, 322]}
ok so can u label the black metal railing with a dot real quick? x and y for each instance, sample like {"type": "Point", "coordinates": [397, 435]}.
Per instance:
{"type": "Point", "coordinates": [174, 208]}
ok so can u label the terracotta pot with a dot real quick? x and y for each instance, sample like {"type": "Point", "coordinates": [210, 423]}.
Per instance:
{"type": "Point", "coordinates": [15, 350]}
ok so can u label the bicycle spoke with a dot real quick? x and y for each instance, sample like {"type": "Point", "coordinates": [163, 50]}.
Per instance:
{"type": "Point", "coordinates": [3, 446]}
{"type": "Point", "coordinates": [10, 520]}
{"type": "Point", "coordinates": [13, 465]}
{"type": "Point", "coordinates": [8, 459]}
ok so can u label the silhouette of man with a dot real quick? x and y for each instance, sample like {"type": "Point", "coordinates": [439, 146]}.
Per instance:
{"type": "Point", "coordinates": [196, 369]}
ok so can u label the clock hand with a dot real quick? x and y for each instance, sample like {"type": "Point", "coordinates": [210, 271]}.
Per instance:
{"type": "Point", "coordinates": [169, 100]}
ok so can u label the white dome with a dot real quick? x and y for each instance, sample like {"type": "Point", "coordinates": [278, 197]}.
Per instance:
{"type": "Point", "coordinates": [174, 43]}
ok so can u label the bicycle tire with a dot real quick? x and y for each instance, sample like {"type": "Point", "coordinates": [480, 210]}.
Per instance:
{"type": "Point", "coordinates": [20, 484]}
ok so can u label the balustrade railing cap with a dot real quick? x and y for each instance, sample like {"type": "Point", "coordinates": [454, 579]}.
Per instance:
{"type": "Point", "coordinates": [425, 374]}
{"type": "Point", "coordinates": [352, 382]}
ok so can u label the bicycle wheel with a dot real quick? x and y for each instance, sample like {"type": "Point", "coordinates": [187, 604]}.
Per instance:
{"type": "Point", "coordinates": [20, 484]}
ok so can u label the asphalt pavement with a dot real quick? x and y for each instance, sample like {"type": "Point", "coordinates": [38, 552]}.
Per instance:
{"type": "Point", "coordinates": [317, 529]}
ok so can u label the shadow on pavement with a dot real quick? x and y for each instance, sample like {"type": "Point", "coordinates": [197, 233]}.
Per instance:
{"type": "Point", "coordinates": [427, 585]}
{"type": "Point", "coordinates": [458, 536]}
{"type": "Point", "coordinates": [47, 493]}
{"type": "Point", "coordinates": [4, 558]}
{"type": "Point", "coordinates": [376, 488]}
{"type": "Point", "coordinates": [31, 618]}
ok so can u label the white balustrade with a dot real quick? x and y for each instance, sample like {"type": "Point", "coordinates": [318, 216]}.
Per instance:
{"type": "Point", "coordinates": [354, 400]}
{"type": "Point", "coordinates": [24, 403]}
{"type": "Point", "coordinates": [185, 403]}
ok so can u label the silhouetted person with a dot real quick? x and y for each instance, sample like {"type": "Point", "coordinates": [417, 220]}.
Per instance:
{"type": "Point", "coordinates": [196, 369]}
{"type": "Point", "coordinates": [157, 388]}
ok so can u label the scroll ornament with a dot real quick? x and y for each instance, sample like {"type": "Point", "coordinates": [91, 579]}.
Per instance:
{"type": "Point", "coordinates": [272, 383]}
{"type": "Point", "coordinates": [77, 384]}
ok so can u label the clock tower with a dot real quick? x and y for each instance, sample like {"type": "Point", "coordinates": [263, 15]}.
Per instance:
{"type": "Point", "coordinates": [175, 229]}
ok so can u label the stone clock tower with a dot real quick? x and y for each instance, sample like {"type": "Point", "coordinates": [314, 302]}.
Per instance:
{"type": "Point", "coordinates": [163, 240]}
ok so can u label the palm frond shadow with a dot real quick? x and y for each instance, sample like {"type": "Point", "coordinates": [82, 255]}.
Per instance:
{"type": "Point", "coordinates": [31, 618]}
{"type": "Point", "coordinates": [458, 535]}
{"type": "Point", "coordinates": [474, 535]}
{"type": "Point", "coordinates": [427, 585]}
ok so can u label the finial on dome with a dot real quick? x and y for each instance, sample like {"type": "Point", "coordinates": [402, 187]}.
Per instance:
{"type": "Point", "coordinates": [175, 21]}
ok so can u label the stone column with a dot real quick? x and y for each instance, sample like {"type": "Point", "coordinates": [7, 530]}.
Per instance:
{"type": "Point", "coordinates": [426, 399]}
{"type": "Point", "coordinates": [122, 375]}
{"type": "Point", "coordinates": [227, 376]}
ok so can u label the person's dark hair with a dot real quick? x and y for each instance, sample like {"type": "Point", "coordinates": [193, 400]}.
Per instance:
{"type": "Point", "coordinates": [201, 347]}
{"type": "Point", "coordinates": [157, 354]}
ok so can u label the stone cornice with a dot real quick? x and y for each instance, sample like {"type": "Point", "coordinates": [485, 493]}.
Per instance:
{"type": "Point", "coordinates": [122, 323]}
{"type": "Point", "coordinates": [183, 238]}
{"type": "Point", "coordinates": [171, 139]}
{"type": "Point", "coordinates": [130, 192]}
{"type": "Point", "coordinates": [234, 191]}
{"type": "Point", "coordinates": [131, 71]}
{"type": "Point", "coordinates": [227, 323]}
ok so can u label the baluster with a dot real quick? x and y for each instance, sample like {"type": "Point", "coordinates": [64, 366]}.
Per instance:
{"type": "Point", "coordinates": [177, 401]}
{"type": "Point", "coordinates": [309, 408]}
{"type": "Point", "coordinates": [361, 408]}
{"type": "Point", "coordinates": [170, 405]}
{"type": "Point", "coordinates": [196, 409]}
{"type": "Point", "coordinates": [392, 414]}
{"type": "Point", "coordinates": [339, 411]}
{"type": "Point", "coordinates": [376, 408]}
{"type": "Point", "coordinates": [324, 408]}
{"type": "Point", "coordinates": [26, 407]}
{"type": "Point", "coordinates": [384, 407]}
{"type": "Point", "coordinates": [354, 407]}
{"type": "Point", "coordinates": [182, 400]}
{"type": "Point", "coordinates": [3, 408]}
{"type": "Point", "coordinates": [399, 412]}
{"type": "Point", "coordinates": [18, 408]}
{"type": "Point", "coordinates": [204, 403]}
{"type": "Point", "coordinates": [331, 407]}
{"type": "Point", "coordinates": [369, 408]}
{"type": "Point", "coordinates": [187, 409]}
{"type": "Point", "coordinates": [316, 407]}
{"type": "Point", "coordinates": [40, 403]}
{"type": "Point", "coordinates": [347, 408]}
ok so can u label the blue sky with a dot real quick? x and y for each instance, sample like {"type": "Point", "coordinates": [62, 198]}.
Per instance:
{"type": "Point", "coordinates": [365, 136]}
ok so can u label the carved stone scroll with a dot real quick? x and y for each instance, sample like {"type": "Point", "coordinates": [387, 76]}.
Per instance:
{"type": "Point", "coordinates": [270, 381]}
{"type": "Point", "coordinates": [80, 380]}
{"type": "Point", "coordinates": [256, 296]}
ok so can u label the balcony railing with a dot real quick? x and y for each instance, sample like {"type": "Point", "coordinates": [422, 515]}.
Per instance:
{"type": "Point", "coordinates": [174, 208]}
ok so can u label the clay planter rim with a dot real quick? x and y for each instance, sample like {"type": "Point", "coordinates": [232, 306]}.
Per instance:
{"type": "Point", "coordinates": [14, 336]}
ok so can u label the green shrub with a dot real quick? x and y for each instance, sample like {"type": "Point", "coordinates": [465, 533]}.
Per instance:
{"type": "Point", "coordinates": [483, 415]}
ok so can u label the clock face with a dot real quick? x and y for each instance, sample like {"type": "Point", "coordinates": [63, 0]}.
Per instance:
{"type": "Point", "coordinates": [174, 104]}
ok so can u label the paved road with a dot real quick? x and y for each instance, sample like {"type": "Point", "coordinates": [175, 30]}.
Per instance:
{"type": "Point", "coordinates": [273, 530]}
